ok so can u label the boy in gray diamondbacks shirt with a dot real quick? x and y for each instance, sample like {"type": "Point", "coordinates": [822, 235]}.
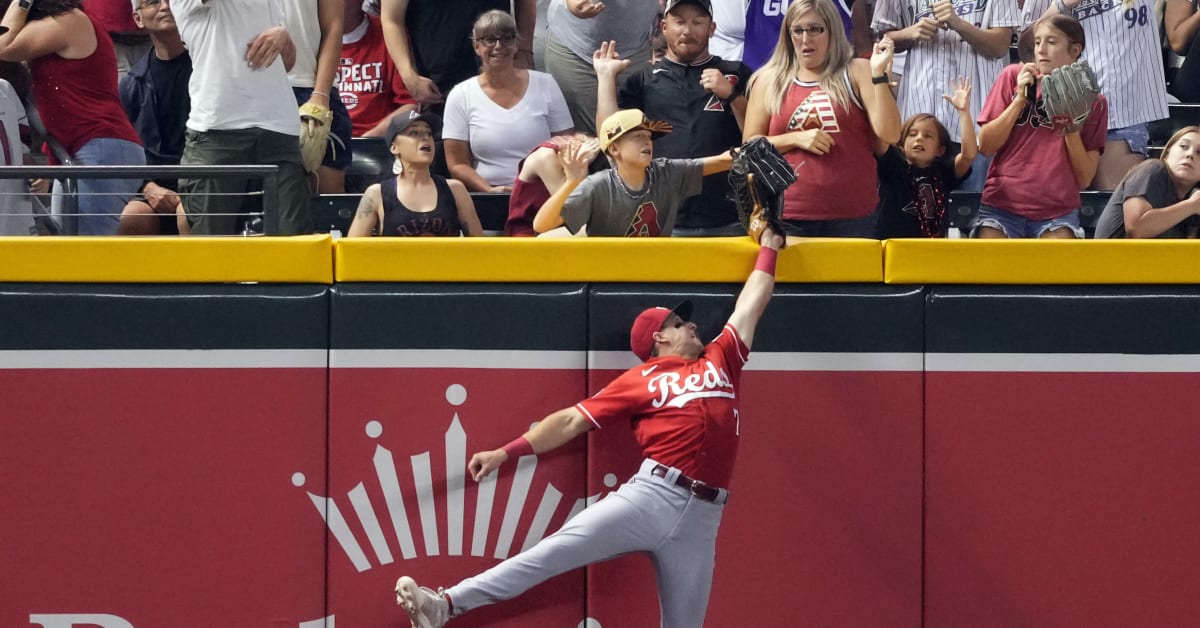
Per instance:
{"type": "Point", "coordinates": [638, 196]}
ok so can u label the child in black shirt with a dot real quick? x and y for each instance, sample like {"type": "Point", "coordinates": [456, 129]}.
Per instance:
{"type": "Point", "coordinates": [916, 176]}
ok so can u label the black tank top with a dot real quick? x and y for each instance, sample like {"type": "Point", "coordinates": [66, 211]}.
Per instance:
{"type": "Point", "coordinates": [399, 220]}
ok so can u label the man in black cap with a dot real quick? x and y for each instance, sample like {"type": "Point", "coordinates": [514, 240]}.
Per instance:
{"type": "Point", "coordinates": [700, 95]}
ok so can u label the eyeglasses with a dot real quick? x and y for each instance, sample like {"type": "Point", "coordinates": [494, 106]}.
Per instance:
{"type": "Point", "coordinates": [801, 31]}
{"type": "Point", "coordinates": [504, 40]}
{"type": "Point", "coordinates": [149, 3]}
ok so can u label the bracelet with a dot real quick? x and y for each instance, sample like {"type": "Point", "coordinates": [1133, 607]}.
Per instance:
{"type": "Point", "coordinates": [766, 260]}
{"type": "Point", "coordinates": [879, 80]}
{"type": "Point", "coordinates": [316, 93]}
{"type": "Point", "coordinates": [518, 447]}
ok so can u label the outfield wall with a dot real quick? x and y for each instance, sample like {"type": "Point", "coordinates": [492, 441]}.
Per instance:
{"type": "Point", "coordinates": [923, 446]}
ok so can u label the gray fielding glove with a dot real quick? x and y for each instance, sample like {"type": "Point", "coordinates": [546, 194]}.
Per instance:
{"type": "Point", "coordinates": [1068, 93]}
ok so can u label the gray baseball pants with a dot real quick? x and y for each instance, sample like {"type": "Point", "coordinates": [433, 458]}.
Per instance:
{"type": "Point", "coordinates": [646, 514]}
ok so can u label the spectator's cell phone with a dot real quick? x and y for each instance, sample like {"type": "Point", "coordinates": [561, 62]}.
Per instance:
{"type": "Point", "coordinates": [1030, 92]}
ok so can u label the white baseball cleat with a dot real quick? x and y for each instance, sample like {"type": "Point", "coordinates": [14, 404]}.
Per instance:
{"type": "Point", "coordinates": [426, 608]}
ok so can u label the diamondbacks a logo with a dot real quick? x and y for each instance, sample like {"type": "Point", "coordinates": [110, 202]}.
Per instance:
{"type": "Point", "coordinates": [714, 103]}
{"type": "Point", "coordinates": [645, 221]}
{"type": "Point", "coordinates": [392, 527]}
{"type": "Point", "coordinates": [816, 112]}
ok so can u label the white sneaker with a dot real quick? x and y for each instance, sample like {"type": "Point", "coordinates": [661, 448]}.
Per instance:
{"type": "Point", "coordinates": [426, 608]}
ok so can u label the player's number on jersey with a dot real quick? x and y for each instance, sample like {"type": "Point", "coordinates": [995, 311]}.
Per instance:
{"type": "Point", "coordinates": [1137, 16]}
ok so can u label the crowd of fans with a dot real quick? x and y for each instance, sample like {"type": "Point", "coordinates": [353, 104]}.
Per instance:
{"type": "Point", "coordinates": [624, 127]}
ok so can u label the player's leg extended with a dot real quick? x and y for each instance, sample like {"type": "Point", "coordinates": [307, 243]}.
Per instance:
{"type": "Point", "coordinates": [621, 523]}
{"type": "Point", "coordinates": [684, 566]}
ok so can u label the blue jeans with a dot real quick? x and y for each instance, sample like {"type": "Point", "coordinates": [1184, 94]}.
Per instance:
{"type": "Point", "coordinates": [1015, 226]}
{"type": "Point", "coordinates": [1136, 136]}
{"type": "Point", "coordinates": [101, 201]}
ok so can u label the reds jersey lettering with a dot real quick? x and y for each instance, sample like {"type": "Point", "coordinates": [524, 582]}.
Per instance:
{"type": "Point", "coordinates": [684, 412]}
{"type": "Point", "coordinates": [360, 77]}
{"type": "Point", "coordinates": [676, 392]}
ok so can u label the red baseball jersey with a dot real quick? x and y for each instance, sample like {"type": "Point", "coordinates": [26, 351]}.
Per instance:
{"type": "Point", "coordinates": [367, 79]}
{"type": "Point", "coordinates": [684, 412]}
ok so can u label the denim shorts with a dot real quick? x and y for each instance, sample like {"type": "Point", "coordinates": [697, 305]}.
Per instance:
{"type": "Point", "coordinates": [1015, 226]}
{"type": "Point", "coordinates": [1136, 136]}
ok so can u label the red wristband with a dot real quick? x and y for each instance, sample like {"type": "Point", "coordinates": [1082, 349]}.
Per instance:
{"type": "Point", "coordinates": [518, 447]}
{"type": "Point", "coordinates": [766, 260]}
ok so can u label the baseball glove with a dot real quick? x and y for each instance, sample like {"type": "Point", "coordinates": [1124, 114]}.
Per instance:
{"type": "Point", "coordinates": [757, 178]}
{"type": "Point", "coordinates": [315, 121]}
{"type": "Point", "coordinates": [1068, 93]}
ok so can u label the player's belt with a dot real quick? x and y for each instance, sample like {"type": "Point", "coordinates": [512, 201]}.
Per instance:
{"type": "Point", "coordinates": [695, 487]}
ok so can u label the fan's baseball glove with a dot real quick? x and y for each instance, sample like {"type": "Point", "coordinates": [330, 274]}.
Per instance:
{"type": "Point", "coordinates": [1068, 93]}
{"type": "Point", "coordinates": [315, 121]}
{"type": "Point", "coordinates": [758, 177]}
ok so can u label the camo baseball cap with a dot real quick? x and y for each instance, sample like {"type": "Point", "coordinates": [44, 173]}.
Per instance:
{"type": "Point", "coordinates": [627, 120]}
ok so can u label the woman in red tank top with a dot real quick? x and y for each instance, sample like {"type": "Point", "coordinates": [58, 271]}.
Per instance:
{"type": "Point", "coordinates": [830, 115]}
{"type": "Point", "coordinates": [74, 79]}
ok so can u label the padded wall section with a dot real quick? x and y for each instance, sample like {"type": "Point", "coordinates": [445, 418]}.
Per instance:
{"type": "Point", "coordinates": [151, 437]}
{"type": "Point", "coordinates": [1063, 482]}
{"type": "Point", "coordinates": [422, 376]}
{"type": "Point", "coordinates": [823, 527]}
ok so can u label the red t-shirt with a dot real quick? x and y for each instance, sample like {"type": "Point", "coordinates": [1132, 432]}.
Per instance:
{"type": "Point", "coordinates": [526, 199]}
{"type": "Point", "coordinates": [684, 413]}
{"type": "Point", "coordinates": [840, 184]}
{"type": "Point", "coordinates": [114, 16]}
{"type": "Point", "coordinates": [368, 81]}
{"type": "Point", "coordinates": [1031, 174]}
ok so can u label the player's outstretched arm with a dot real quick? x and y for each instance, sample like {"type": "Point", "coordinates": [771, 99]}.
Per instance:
{"type": "Point", "coordinates": [550, 433]}
{"type": "Point", "coordinates": [755, 295]}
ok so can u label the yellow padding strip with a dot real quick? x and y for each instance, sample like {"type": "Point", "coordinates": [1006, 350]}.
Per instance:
{"type": "Point", "coordinates": [1027, 262]}
{"type": "Point", "coordinates": [668, 260]}
{"type": "Point", "coordinates": [299, 259]}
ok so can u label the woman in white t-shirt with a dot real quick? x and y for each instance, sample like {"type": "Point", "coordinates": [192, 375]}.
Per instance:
{"type": "Point", "coordinates": [492, 121]}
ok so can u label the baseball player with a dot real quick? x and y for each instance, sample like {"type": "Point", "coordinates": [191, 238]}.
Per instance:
{"type": "Point", "coordinates": [684, 406]}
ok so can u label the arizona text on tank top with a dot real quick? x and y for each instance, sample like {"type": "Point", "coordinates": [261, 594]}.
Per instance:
{"type": "Point", "coordinates": [399, 220]}
{"type": "Point", "coordinates": [840, 184]}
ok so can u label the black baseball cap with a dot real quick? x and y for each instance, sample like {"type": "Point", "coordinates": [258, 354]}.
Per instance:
{"type": "Point", "coordinates": [402, 121]}
{"type": "Point", "coordinates": [703, 4]}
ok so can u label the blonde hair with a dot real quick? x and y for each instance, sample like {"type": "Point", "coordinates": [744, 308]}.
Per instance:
{"type": "Point", "coordinates": [776, 75]}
